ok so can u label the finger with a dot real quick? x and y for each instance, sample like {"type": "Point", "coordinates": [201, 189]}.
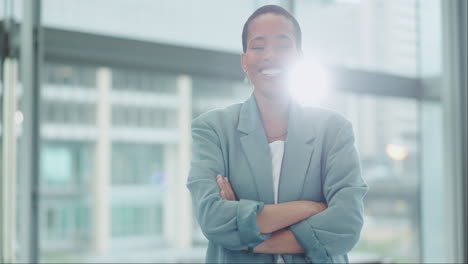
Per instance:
{"type": "Point", "coordinates": [230, 192]}
{"type": "Point", "coordinates": [219, 181]}
{"type": "Point", "coordinates": [229, 189]}
{"type": "Point", "coordinates": [226, 188]}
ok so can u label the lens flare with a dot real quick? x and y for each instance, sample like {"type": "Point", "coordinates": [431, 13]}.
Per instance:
{"type": "Point", "coordinates": [396, 152]}
{"type": "Point", "coordinates": [309, 82]}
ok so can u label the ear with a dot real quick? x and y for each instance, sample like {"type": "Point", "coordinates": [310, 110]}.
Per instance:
{"type": "Point", "coordinates": [244, 62]}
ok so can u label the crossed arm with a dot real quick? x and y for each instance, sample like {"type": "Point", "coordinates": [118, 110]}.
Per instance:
{"type": "Point", "coordinates": [286, 228]}
{"type": "Point", "coordinates": [274, 218]}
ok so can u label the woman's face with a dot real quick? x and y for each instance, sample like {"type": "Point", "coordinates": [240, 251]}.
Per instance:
{"type": "Point", "coordinates": [271, 51]}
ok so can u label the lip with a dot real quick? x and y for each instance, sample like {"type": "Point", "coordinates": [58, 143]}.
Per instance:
{"type": "Point", "coordinates": [271, 71]}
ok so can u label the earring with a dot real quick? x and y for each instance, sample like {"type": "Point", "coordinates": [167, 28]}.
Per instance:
{"type": "Point", "coordinates": [246, 79]}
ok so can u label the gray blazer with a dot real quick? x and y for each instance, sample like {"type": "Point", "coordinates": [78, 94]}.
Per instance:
{"type": "Point", "coordinates": [320, 164]}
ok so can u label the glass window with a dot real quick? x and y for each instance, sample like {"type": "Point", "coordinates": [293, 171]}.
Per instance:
{"type": "Point", "coordinates": [387, 136]}
{"type": "Point", "coordinates": [69, 159]}
{"type": "Point", "coordinates": [145, 113]}
{"type": "Point", "coordinates": [137, 164]}
{"type": "Point", "coordinates": [209, 93]}
{"type": "Point", "coordinates": [64, 214]}
{"type": "Point", "coordinates": [371, 35]}
{"type": "Point", "coordinates": [192, 22]}
{"type": "Point", "coordinates": [57, 166]}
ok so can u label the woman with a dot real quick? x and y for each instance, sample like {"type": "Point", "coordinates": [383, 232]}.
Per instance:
{"type": "Point", "coordinates": [272, 181]}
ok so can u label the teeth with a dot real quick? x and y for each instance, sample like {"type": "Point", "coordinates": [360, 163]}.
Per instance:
{"type": "Point", "coordinates": [271, 71]}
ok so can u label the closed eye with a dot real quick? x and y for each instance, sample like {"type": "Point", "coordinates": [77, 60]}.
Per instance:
{"type": "Point", "coordinates": [284, 45]}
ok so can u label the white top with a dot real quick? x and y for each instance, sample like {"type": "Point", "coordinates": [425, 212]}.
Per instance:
{"type": "Point", "coordinates": [277, 151]}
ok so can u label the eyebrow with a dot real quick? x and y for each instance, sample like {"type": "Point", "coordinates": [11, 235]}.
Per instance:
{"type": "Point", "coordinates": [257, 38]}
{"type": "Point", "coordinates": [281, 36]}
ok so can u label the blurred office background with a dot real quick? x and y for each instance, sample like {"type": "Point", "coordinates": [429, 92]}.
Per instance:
{"type": "Point", "coordinates": [97, 99]}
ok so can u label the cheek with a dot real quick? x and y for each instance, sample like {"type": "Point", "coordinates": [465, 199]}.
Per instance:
{"type": "Point", "coordinates": [290, 57]}
{"type": "Point", "coordinates": [251, 66]}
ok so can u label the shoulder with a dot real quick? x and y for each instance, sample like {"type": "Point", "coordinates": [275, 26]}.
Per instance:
{"type": "Point", "coordinates": [326, 119]}
{"type": "Point", "coordinates": [219, 118]}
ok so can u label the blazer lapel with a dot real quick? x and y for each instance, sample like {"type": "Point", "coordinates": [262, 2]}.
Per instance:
{"type": "Point", "coordinates": [255, 146]}
{"type": "Point", "coordinates": [298, 151]}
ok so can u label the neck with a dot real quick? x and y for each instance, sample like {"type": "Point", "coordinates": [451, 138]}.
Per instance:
{"type": "Point", "coordinates": [273, 109]}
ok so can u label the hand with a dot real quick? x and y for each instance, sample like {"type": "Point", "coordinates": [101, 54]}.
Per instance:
{"type": "Point", "coordinates": [224, 185]}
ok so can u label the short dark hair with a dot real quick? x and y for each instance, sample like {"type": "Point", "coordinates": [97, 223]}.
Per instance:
{"type": "Point", "coordinates": [272, 9]}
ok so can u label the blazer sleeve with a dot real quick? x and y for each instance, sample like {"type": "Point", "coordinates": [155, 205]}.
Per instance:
{"type": "Point", "coordinates": [231, 224]}
{"type": "Point", "coordinates": [336, 230]}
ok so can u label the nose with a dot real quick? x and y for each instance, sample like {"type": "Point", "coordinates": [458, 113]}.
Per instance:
{"type": "Point", "coordinates": [269, 53]}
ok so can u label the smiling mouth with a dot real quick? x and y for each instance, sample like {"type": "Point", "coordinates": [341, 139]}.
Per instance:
{"type": "Point", "coordinates": [271, 72]}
